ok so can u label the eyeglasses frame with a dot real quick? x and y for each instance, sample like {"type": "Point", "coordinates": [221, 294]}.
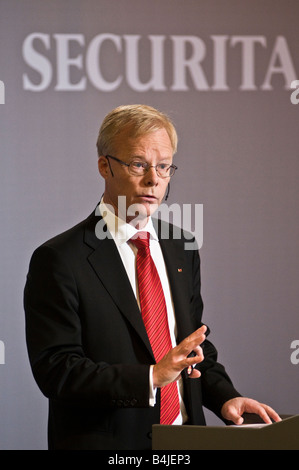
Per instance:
{"type": "Point", "coordinates": [174, 167]}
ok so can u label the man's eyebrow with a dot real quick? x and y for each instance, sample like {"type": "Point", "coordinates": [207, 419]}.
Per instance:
{"type": "Point", "coordinates": [138, 156]}
{"type": "Point", "coordinates": [143, 157]}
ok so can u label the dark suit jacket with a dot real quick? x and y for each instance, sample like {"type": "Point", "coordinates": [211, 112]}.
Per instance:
{"type": "Point", "coordinates": [88, 347]}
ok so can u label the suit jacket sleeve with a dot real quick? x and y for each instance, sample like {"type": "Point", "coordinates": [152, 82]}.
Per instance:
{"type": "Point", "coordinates": [54, 339]}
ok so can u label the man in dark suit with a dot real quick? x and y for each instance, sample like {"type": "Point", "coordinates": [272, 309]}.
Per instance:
{"type": "Point", "coordinates": [88, 346]}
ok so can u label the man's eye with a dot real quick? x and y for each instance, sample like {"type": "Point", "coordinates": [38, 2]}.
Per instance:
{"type": "Point", "coordinates": [138, 165]}
{"type": "Point", "coordinates": [163, 166]}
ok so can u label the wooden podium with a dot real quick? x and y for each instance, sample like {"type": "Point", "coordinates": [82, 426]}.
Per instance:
{"type": "Point", "coordinates": [277, 436]}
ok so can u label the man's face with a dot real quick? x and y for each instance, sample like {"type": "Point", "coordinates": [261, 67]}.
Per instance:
{"type": "Point", "coordinates": [145, 192]}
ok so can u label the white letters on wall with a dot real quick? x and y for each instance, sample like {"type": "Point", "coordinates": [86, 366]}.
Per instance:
{"type": "Point", "coordinates": [186, 53]}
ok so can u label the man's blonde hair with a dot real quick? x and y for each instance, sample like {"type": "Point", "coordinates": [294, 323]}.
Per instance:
{"type": "Point", "coordinates": [137, 120]}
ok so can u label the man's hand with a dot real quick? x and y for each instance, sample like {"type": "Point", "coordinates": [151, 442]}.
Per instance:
{"type": "Point", "coordinates": [169, 368]}
{"type": "Point", "coordinates": [233, 409]}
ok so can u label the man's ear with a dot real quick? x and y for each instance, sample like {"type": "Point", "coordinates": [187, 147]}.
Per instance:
{"type": "Point", "coordinates": [103, 166]}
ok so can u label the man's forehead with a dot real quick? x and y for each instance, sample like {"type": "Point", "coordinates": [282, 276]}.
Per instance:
{"type": "Point", "coordinates": [158, 139]}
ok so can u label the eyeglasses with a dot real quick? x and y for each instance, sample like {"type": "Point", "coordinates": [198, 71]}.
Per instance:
{"type": "Point", "coordinates": [138, 168]}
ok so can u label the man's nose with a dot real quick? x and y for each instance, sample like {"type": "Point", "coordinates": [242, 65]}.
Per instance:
{"type": "Point", "coordinates": [151, 176]}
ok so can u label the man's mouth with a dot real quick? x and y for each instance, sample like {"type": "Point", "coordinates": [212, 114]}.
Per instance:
{"type": "Point", "coordinates": [148, 197]}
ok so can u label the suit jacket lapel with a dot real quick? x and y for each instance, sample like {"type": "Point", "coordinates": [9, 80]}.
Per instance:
{"type": "Point", "coordinates": [108, 266]}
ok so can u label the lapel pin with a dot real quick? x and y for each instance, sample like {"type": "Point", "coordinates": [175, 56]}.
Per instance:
{"type": "Point", "coordinates": [180, 270]}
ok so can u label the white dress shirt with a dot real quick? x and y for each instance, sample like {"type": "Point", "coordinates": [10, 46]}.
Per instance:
{"type": "Point", "coordinates": [121, 233]}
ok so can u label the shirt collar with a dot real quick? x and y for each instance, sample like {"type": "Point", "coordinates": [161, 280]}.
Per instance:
{"type": "Point", "coordinates": [120, 230]}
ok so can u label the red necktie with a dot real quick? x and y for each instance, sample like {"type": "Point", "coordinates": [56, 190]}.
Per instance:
{"type": "Point", "coordinates": [154, 314]}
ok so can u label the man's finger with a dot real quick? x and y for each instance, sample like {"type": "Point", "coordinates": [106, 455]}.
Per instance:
{"type": "Point", "coordinates": [193, 341]}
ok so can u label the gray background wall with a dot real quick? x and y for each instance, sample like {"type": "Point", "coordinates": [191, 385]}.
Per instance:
{"type": "Point", "coordinates": [238, 156]}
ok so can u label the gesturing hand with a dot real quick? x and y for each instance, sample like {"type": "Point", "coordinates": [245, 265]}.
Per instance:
{"type": "Point", "coordinates": [169, 368]}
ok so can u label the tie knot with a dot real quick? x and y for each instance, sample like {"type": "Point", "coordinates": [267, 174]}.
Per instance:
{"type": "Point", "coordinates": [141, 240]}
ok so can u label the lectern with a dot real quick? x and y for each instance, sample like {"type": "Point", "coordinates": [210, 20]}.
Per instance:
{"type": "Point", "coordinates": [277, 436]}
